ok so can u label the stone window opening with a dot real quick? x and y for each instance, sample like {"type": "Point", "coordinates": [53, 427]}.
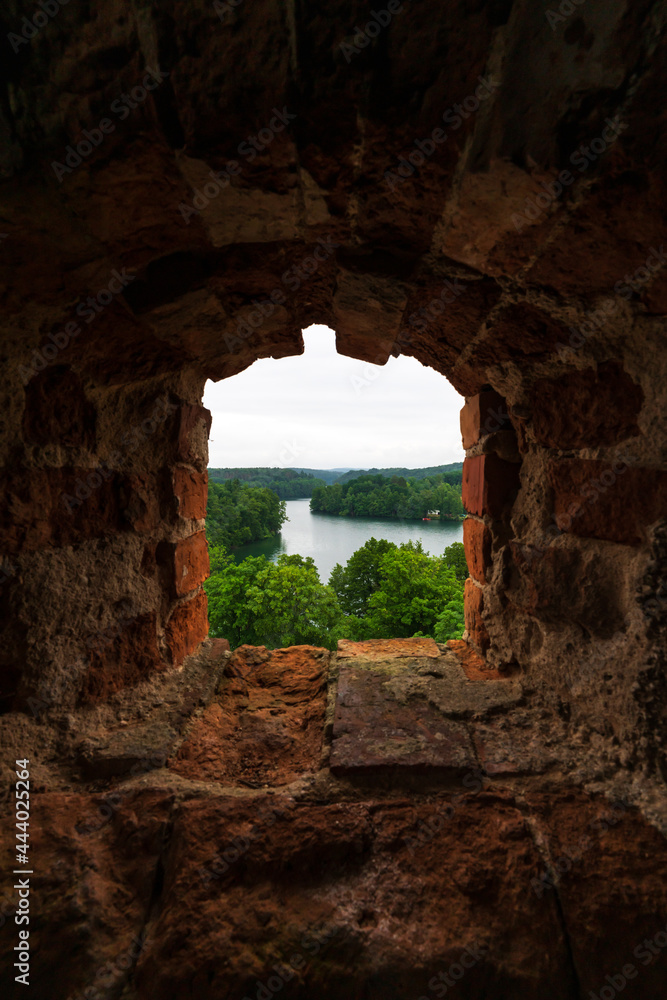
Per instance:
{"type": "Point", "coordinates": [348, 388]}
{"type": "Point", "coordinates": [133, 486]}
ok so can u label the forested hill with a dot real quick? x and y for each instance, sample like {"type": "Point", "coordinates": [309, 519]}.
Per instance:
{"type": "Point", "coordinates": [452, 473]}
{"type": "Point", "coordinates": [378, 496]}
{"type": "Point", "coordinates": [328, 475]}
{"type": "Point", "coordinates": [288, 484]}
{"type": "Point", "coordinates": [295, 484]}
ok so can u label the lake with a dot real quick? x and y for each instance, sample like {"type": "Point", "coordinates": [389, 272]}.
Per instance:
{"type": "Point", "coordinates": [330, 539]}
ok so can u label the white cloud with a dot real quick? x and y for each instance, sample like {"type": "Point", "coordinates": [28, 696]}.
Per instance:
{"type": "Point", "coordinates": [323, 410]}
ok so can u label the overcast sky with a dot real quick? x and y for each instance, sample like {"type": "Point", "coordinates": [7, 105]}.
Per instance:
{"type": "Point", "coordinates": [325, 411]}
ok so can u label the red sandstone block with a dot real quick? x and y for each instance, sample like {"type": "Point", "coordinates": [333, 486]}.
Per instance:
{"type": "Point", "coordinates": [587, 408]}
{"type": "Point", "coordinates": [540, 584]}
{"type": "Point", "coordinates": [193, 429]}
{"type": "Point", "coordinates": [477, 540]}
{"type": "Point", "coordinates": [375, 731]}
{"type": "Point", "coordinates": [482, 414]}
{"type": "Point", "coordinates": [266, 725]}
{"type": "Point", "coordinates": [190, 563]}
{"type": "Point", "coordinates": [615, 500]}
{"type": "Point", "coordinates": [489, 484]}
{"type": "Point", "coordinates": [120, 656]}
{"type": "Point", "coordinates": [519, 331]}
{"type": "Point", "coordinates": [381, 649]}
{"type": "Point", "coordinates": [187, 627]}
{"type": "Point", "coordinates": [474, 606]}
{"type": "Point", "coordinates": [140, 502]}
{"type": "Point", "coordinates": [473, 664]}
{"type": "Point", "coordinates": [41, 508]}
{"type": "Point", "coordinates": [219, 646]}
{"type": "Point", "coordinates": [57, 410]}
{"type": "Point", "coordinates": [191, 492]}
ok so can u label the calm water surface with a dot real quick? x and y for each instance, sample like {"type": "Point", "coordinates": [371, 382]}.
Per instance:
{"type": "Point", "coordinates": [330, 539]}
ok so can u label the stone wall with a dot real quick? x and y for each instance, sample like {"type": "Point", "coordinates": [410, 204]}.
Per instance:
{"type": "Point", "coordinates": [106, 551]}
{"type": "Point", "coordinates": [183, 188]}
{"type": "Point", "coordinates": [165, 224]}
{"type": "Point", "coordinates": [380, 822]}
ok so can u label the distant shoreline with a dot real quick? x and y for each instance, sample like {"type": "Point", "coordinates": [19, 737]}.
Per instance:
{"type": "Point", "coordinates": [388, 517]}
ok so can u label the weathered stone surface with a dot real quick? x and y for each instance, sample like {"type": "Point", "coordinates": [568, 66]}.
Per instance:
{"type": "Point", "coordinates": [594, 603]}
{"type": "Point", "coordinates": [594, 843]}
{"type": "Point", "coordinates": [442, 318]}
{"type": "Point", "coordinates": [57, 410]}
{"type": "Point", "coordinates": [489, 485]}
{"type": "Point", "coordinates": [95, 866]}
{"type": "Point", "coordinates": [326, 894]}
{"type": "Point", "coordinates": [266, 726]}
{"type": "Point", "coordinates": [220, 645]}
{"type": "Point", "coordinates": [586, 408]}
{"type": "Point", "coordinates": [382, 649]}
{"type": "Point", "coordinates": [474, 665]}
{"type": "Point", "coordinates": [367, 319]}
{"type": "Point", "coordinates": [140, 502]}
{"type": "Point", "coordinates": [297, 889]}
{"type": "Point", "coordinates": [186, 562]}
{"type": "Point", "coordinates": [272, 885]}
{"type": "Point", "coordinates": [478, 634]}
{"type": "Point", "coordinates": [127, 750]}
{"type": "Point", "coordinates": [397, 713]}
{"type": "Point", "coordinates": [616, 210]}
{"type": "Point", "coordinates": [614, 500]}
{"type": "Point", "coordinates": [193, 429]}
{"type": "Point", "coordinates": [521, 744]}
{"type": "Point", "coordinates": [376, 731]}
{"type": "Point", "coordinates": [477, 540]}
{"type": "Point", "coordinates": [520, 331]}
{"type": "Point", "coordinates": [191, 492]}
{"type": "Point", "coordinates": [130, 655]}
{"type": "Point", "coordinates": [43, 508]}
{"type": "Point", "coordinates": [187, 627]}
{"type": "Point", "coordinates": [482, 414]}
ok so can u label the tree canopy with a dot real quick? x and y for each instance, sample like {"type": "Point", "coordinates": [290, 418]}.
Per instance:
{"type": "Point", "coordinates": [288, 484]}
{"type": "Point", "coordinates": [377, 496]}
{"type": "Point", "coordinates": [384, 591]}
{"type": "Point", "coordinates": [236, 514]}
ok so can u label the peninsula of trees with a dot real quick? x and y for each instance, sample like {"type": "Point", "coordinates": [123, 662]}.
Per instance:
{"type": "Point", "coordinates": [237, 514]}
{"type": "Point", "coordinates": [450, 473]}
{"type": "Point", "coordinates": [297, 484]}
{"type": "Point", "coordinates": [377, 496]}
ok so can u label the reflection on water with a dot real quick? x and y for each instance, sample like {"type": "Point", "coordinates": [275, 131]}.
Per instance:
{"type": "Point", "coordinates": [330, 539]}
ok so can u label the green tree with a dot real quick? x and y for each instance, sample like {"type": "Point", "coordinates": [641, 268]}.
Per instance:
{"type": "Point", "coordinates": [378, 496]}
{"type": "Point", "coordinates": [450, 623]}
{"type": "Point", "coordinates": [415, 589]}
{"type": "Point", "coordinates": [357, 582]}
{"type": "Point", "coordinates": [291, 607]}
{"type": "Point", "coordinates": [236, 514]}
{"type": "Point", "coordinates": [288, 484]}
{"type": "Point", "coordinates": [455, 557]}
{"type": "Point", "coordinates": [227, 590]}
{"type": "Point", "coordinates": [384, 591]}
